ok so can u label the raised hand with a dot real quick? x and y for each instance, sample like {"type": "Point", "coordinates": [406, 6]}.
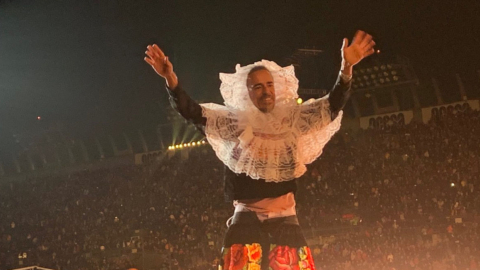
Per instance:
{"type": "Point", "coordinates": [161, 64]}
{"type": "Point", "coordinates": [361, 47]}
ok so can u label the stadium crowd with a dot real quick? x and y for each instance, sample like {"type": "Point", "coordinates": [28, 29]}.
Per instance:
{"type": "Point", "coordinates": [391, 197]}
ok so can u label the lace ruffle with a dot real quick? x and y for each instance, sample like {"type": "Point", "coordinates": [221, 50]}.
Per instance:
{"type": "Point", "coordinates": [273, 146]}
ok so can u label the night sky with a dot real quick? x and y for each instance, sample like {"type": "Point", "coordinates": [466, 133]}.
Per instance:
{"type": "Point", "coordinates": [80, 63]}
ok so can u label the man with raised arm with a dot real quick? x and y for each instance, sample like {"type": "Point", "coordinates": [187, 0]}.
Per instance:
{"type": "Point", "coordinates": [265, 139]}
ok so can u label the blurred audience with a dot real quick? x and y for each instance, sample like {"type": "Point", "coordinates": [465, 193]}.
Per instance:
{"type": "Point", "coordinates": [391, 197]}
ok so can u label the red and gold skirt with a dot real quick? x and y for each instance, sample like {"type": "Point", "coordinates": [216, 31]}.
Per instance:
{"type": "Point", "coordinates": [274, 244]}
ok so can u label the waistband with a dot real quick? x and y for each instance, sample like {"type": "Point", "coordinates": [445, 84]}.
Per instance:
{"type": "Point", "coordinates": [251, 218]}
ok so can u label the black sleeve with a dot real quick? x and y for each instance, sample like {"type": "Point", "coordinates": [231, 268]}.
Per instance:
{"type": "Point", "coordinates": [339, 96]}
{"type": "Point", "coordinates": [187, 107]}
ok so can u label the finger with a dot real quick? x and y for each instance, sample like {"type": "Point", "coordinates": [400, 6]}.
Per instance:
{"type": "Point", "coordinates": [370, 45]}
{"type": "Point", "coordinates": [168, 63]}
{"type": "Point", "coordinates": [150, 54]}
{"type": "Point", "coordinates": [345, 43]}
{"type": "Point", "coordinates": [152, 51]}
{"type": "Point", "coordinates": [150, 48]}
{"type": "Point", "coordinates": [366, 40]}
{"type": "Point", "coordinates": [149, 61]}
{"type": "Point", "coordinates": [359, 35]}
{"type": "Point", "coordinates": [158, 51]}
{"type": "Point", "coordinates": [370, 52]}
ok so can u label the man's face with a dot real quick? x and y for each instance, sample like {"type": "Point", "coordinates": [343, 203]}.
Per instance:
{"type": "Point", "coordinates": [261, 90]}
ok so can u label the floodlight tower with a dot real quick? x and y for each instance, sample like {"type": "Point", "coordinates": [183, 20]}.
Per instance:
{"type": "Point", "coordinates": [310, 70]}
{"type": "Point", "coordinates": [381, 83]}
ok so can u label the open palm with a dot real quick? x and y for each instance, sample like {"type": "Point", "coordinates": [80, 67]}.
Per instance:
{"type": "Point", "coordinates": [159, 62]}
{"type": "Point", "coordinates": [361, 47]}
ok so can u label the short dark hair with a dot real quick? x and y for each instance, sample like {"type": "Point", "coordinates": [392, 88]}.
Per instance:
{"type": "Point", "coordinates": [257, 68]}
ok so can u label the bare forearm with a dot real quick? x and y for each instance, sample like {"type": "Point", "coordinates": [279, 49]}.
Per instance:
{"type": "Point", "coordinates": [172, 81]}
{"type": "Point", "coordinates": [346, 68]}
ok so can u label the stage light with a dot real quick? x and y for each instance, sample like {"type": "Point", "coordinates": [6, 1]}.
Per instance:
{"type": "Point", "coordinates": [39, 118]}
{"type": "Point", "coordinates": [299, 101]}
{"type": "Point", "coordinates": [452, 184]}
{"type": "Point", "coordinates": [188, 144]}
{"type": "Point", "coordinates": [378, 51]}
{"type": "Point", "coordinates": [203, 142]}
{"type": "Point", "coordinates": [193, 143]}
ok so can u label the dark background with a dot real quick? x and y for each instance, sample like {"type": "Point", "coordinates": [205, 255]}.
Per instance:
{"type": "Point", "coordinates": [80, 63]}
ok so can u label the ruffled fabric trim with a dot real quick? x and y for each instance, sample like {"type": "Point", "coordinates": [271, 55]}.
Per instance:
{"type": "Point", "coordinates": [272, 146]}
{"type": "Point", "coordinates": [316, 129]}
